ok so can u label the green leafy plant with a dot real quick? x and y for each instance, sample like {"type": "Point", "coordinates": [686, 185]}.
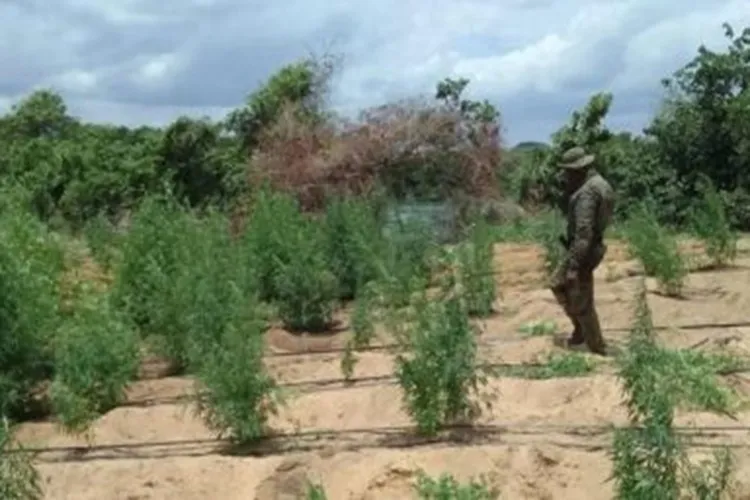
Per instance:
{"type": "Point", "coordinates": [97, 355]}
{"type": "Point", "coordinates": [551, 228]}
{"type": "Point", "coordinates": [405, 263]}
{"type": "Point", "coordinates": [236, 395]}
{"type": "Point", "coordinates": [316, 492]}
{"type": "Point", "coordinates": [155, 247]}
{"type": "Point", "coordinates": [305, 286]}
{"type": "Point", "coordinates": [446, 487]}
{"type": "Point", "coordinates": [657, 250]}
{"type": "Point", "coordinates": [474, 263]}
{"type": "Point", "coordinates": [569, 364]}
{"type": "Point", "coordinates": [103, 240]}
{"type": "Point", "coordinates": [363, 328]}
{"type": "Point", "coordinates": [352, 234]}
{"type": "Point", "coordinates": [539, 328]}
{"type": "Point", "coordinates": [274, 221]}
{"type": "Point", "coordinates": [439, 372]}
{"type": "Point", "coordinates": [649, 458]}
{"type": "Point", "coordinates": [711, 224]}
{"type": "Point", "coordinates": [210, 286]}
{"type": "Point", "coordinates": [31, 270]}
{"type": "Point", "coordinates": [19, 479]}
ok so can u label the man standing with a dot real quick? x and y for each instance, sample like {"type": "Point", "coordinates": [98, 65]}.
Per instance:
{"type": "Point", "coordinates": [590, 205]}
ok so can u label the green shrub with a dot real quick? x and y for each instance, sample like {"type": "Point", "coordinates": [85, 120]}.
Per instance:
{"type": "Point", "coordinates": [550, 227]}
{"type": "Point", "coordinates": [711, 224]}
{"type": "Point", "coordinates": [405, 262]}
{"type": "Point", "coordinates": [103, 240]}
{"type": "Point", "coordinates": [649, 458]}
{"type": "Point", "coordinates": [305, 287]}
{"type": "Point", "coordinates": [97, 355]}
{"type": "Point", "coordinates": [207, 289]}
{"type": "Point", "coordinates": [236, 393]}
{"type": "Point", "coordinates": [274, 217]}
{"type": "Point", "coordinates": [656, 249]}
{"type": "Point", "coordinates": [439, 372]}
{"type": "Point", "coordinates": [31, 266]}
{"type": "Point", "coordinates": [155, 247]}
{"type": "Point", "coordinates": [353, 235]}
{"type": "Point", "coordinates": [363, 328]}
{"type": "Point", "coordinates": [474, 265]}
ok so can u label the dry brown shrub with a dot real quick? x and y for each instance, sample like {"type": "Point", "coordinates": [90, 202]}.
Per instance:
{"type": "Point", "coordinates": [313, 160]}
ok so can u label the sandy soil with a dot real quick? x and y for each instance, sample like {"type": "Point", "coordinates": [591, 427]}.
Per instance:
{"type": "Point", "coordinates": [544, 439]}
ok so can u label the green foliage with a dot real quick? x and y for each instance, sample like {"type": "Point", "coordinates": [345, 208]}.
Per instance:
{"type": "Point", "coordinates": [179, 278]}
{"type": "Point", "coordinates": [439, 371]}
{"type": "Point", "coordinates": [363, 328]}
{"type": "Point", "coordinates": [199, 166]}
{"type": "Point", "coordinates": [552, 228]}
{"type": "Point", "coordinates": [656, 249]}
{"type": "Point", "coordinates": [288, 252]}
{"type": "Point", "coordinates": [96, 355]}
{"type": "Point", "coordinates": [557, 365]}
{"type": "Point", "coordinates": [19, 479]}
{"type": "Point", "coordinates": [31, 265]}
{"type": "Point", "coordinates": [711, 225]}
{"type": "Point", "coordinates": [153, 250]}
{"type": "Point", "coordinates": [305, 286]}
{"type": "Point", "coordinates": [405, 263]}
{"type": "Point", "coordinates": [474, 265]}
{"type": "Point", "coordinates": [316, 492]}
{"type": "Point", "coordinates": [353, 237]}
{"type": "Point", "coordinates": [272, 217]}
{"type": "Point", "coordinates": [446, 487]}
{"type": "Point", "coordinates": [538, 181]}
{"type": "Point", "coordinates": [702, 127]}
{"type": "Point", "coordinates": [104, 241]}
{"type": "Point", "coordinates": [236, 394]}
{"type": "Point", "coordinates": [303, 83]}
{"type": "Point", "coordinates": [649, 459]}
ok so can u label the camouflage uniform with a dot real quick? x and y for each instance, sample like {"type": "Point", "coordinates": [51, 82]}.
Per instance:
{"type": "Point", "coordinates": [589, 211]}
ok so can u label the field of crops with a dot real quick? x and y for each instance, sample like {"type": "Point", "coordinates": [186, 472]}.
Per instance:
{"type": "Point", "coordinates": [249, 372]}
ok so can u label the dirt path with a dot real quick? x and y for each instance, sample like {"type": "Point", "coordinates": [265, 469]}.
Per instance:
{"type": "Point", "coordinates": [542, 439]}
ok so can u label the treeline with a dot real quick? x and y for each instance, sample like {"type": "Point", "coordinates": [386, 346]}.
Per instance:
{"type": "Point", "coordinates": [701, 132]}
{"type": "Point", "coordinates": [418, 149]}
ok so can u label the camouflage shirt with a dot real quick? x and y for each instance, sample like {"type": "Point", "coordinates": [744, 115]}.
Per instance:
{"type": "Point", "coordinates": [589, 212]}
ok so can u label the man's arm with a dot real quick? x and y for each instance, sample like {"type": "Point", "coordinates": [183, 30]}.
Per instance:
{"type": "Point", "coordinates": [583, 236]}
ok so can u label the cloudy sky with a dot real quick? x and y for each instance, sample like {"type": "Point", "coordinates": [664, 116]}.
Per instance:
{"type": "Point", "coordinates": [148, 61]}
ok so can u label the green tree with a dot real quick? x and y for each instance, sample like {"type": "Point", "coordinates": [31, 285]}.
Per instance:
{"type": "Point", "coordinates": [703, 127]}
{"type": "Point", "coordinates": [303, 83]}
{"type": "Point", "coordinates": [197, 161]}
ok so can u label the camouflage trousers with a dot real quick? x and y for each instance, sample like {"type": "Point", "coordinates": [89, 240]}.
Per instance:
{"type": "Point", "coordinates": [577, 299]}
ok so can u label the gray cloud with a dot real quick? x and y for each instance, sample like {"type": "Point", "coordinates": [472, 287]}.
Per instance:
{"type": "Point", "coordinates": [138, 61]}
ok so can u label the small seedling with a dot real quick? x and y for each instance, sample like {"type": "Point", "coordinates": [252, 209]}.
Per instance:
{"type": "Point", "coordinates": [542, 328]}
{"type": "Point", "coordinates": [316, 492]}
{"type": "Point", "coordinates": [446, 487]}
{"type": "Point", "coordinates": [557, 365]}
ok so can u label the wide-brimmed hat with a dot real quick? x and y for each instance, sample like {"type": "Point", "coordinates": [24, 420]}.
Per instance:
{"type": "Point", "coordinates": [576, 158]}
